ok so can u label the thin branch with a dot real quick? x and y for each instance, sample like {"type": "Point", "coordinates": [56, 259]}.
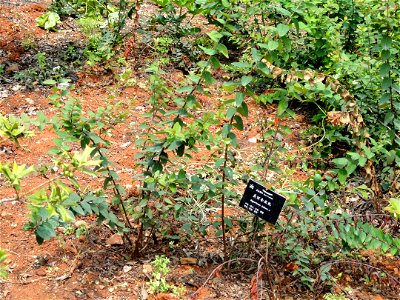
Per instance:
{"type": "Point", "coordinates": [216, 269]}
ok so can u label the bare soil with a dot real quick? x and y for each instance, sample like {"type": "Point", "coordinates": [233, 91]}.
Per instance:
{"type": "Point", "coordinates": [87, 267]}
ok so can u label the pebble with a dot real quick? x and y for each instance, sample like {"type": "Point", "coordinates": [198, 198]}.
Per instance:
{"type": "Point", "coordinates": [29, 101]}
{"type": "Point", "coordinates": [4, 94]}
{"type": "Point", "coordinates": [253, 140]}
{"type": "Point", "coordinates": [127, 268]}
{"type": "Point", "coordinates": [188, 261]}
{"type": "Point", "coordinates": [115, 239]}
{"type": "Point", "coordinates": [16, 88]}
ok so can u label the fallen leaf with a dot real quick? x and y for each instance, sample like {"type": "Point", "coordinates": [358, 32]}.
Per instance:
{"type": "Point", "coordinates": [188, 261]}
{"type": "Point", "coordinates": [254, 286]}
{"type": "Point", "coordinates": [127, 268]}
{"type": "Point", "coordinates": [147, 269]}
{"type": "Point", "coordinates": [115, 239]}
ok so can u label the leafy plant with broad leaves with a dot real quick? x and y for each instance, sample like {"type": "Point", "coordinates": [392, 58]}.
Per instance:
{"type": "Point", "coordinates": [3, 269]}
{"type": "Point", "coordinates": [14, 174]}
{"type": "Point", "coordinates": [13, 128]}
{"type": "Point", "coordinates": [48, 21]}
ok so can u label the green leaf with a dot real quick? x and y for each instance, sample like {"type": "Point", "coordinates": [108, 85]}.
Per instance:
{"type": "Point", "coordinates": [238, 122]}
{"type": "Point", "coordinates": [215, 62]}
{"type": "Point", "coordinates": [239, 99]}
{"type": "Point", "coordinates": [386, 83]}
{"type": "Point", "coordinates": [223, 50]}
{"type": "Point", "coordinates": [242, 64]}
{"type": "Point", "coordinates": [342, 176]}
{"type": "Point", "coordinates": [243, 110]}
{"type": "Point", "coordinates": [384, 69]}
{"type": "Point", "coordinates": [208, 51]}
{"type": "Point", "coordinates": [351, 167]}
{"type": "Point", "coordinates": [215, 36]}
{"type": "Point", "coordinates": [340, 162]}
{"type": "Point", "coordinates": [388, 117]}
{"type": "Point", "coordinates": [386, 42]}
{"type": "Point", "coordinates": [317, 180]}
{"type": "Point", "coordinates": [45, 232]}
{"type": "Point", "coordinates": [256, 55]}
{"type": "Point", "coordinates": [207, 77]}
{"type": "Point", "coordinates": [231, 112]}
{"type": "Point", "coordinates": [282, 106]}
{"type": "Point", "coordinates": [246, 80]}
{"type": "Point", "coordinates": [272, 45]}
{"type": "Point", "coordinates": [282, 29]}
{"type": "Point", "coordinates": [49, 82]}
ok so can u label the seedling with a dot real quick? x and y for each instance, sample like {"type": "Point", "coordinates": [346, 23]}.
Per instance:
{"type": "Point", "coordinates": [15, 174]}
{"type": "Point", "coordinates": [12, 128]}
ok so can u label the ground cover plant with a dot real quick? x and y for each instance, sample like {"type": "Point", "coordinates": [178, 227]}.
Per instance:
{"type": "Point", "coordinates": [219, 87]}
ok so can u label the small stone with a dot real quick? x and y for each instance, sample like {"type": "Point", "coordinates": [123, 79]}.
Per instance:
{"type": "Point", "coordinates": [115, 239]}
{"type": "Point", "coordinates": [41, 272]}
{"type": "Point", "coordinates": [12, 68]}
{"type": "Point", "coordinates": [126, 145]}
{"type": "Point", "coordinates": [253, 140]}
{"type": "Point", "coordinates": [63, 85]}
{"type": "Point", "coordinates": [80, 223]}
{"type": "Point", "coordinates": [16, 88]}
{"type": "Point", "coordinates": [29, 101]}
{"type": "Point", "coordinates": [147, 269]}
{"type": "Point", "coordinates": [4, 94]}
{"type": "Point", "coordinates": [188, 261]}
{"type": "Point", "coordinates": [127, 268]}
{"type": "Point", "coordinates": [5, 214]}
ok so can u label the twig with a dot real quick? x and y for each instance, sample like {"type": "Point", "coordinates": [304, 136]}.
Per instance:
{"type": "Point", "coordinates": [353, 262]}
{"type": "Point", "coordinates": [28, 192]}
{"type": "Point", "coordinates": [216, 269]}
{"type": "Point", "coordinates": [12, 199]}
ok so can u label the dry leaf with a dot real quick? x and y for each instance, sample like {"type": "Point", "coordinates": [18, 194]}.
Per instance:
{"type": "Point", "coordinates": [115, 239]}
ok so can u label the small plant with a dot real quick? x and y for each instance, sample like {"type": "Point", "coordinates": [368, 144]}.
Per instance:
{"type": "Point", "coordinates": [15, 174]}
{"type": "Point", "coordinates": [12, 128]}
{"type": "Point", "coordinates": [394, 207]}
{"type": "Point", "coordinates": [158, 283]}
{"type": "Point", "coordinates": [90, 25]}
{"type": "Point", "coordinates": [29, 42]}
{"type": "Point", "coordinates": [48, 21]}
{"type": "Point", "coordinates": [330, 296]}
{"type": "Point", "coordinates": [3, 269]}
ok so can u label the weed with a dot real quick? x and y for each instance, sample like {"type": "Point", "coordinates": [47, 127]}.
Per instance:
{"type": "Point", "coordinates": [12, 128]}
{"type": "Point", "coordinates": [15, 174]}
{"type": "Point", "coordinates": [3, 269]}
{"type": "Point", "coordinates": [158, 282]}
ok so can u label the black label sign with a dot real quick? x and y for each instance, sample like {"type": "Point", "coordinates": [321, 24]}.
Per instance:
{"type": "Point", "coordinates": [261, 202]}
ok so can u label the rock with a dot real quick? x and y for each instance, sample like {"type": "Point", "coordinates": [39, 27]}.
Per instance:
{"type": "Point", "coordinates": [253, 140]}
{"type": "Point", "coordinates": [4, 94]}
{"type": "Point", "coordinates": [80, 223]}
{"type": "Point", "coordinates": [188, 261]}
{"type": "Point", "coordinates": [12, 69]}
{"type": "Point", "coordinates": [115, 239]}
{"type": "Point", "coordinates": [147, 269]}
{"type": "Point", "coordinates": [16, 88]}
{"type": "Point", "coordinates": [143, 293]}
{"type": "Point", "coordinates": [166, 296]}
{"type": "Point", "coordinates": [63, 85]}
{"type": "Point", "coordinates": [127, 268]}
{"type": "Point", "coordinates": [41, 272]}
{"type": "Point", "coordinates": [126, 145]}
{"type": "Point", "coordinates": [29, 101]}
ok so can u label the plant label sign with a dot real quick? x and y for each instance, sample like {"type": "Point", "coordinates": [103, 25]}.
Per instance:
{"type": "Point", "coordinates": [261, 202]}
